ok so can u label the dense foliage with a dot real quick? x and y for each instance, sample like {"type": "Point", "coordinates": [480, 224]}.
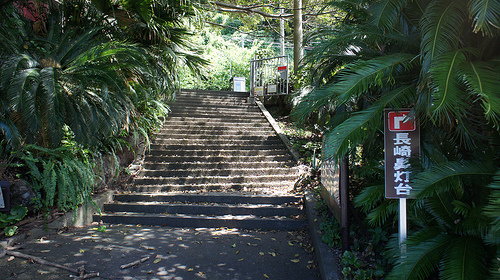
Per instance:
{"type": "Point", "coordinates": [76, 77]}
{"type": "Point", "coordinates": [440, 58]}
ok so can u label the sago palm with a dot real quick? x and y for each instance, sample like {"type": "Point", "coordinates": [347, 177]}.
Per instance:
{"type": "Point", "coordinates": [72, 77]}
{"type": "Point", "coordinates": [442, 59]}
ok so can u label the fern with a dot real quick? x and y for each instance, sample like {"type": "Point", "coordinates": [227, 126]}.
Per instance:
{"type": "Point", "coordinates": [62, 177]}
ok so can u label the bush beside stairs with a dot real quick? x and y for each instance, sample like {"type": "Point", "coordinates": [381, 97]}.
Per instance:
{"type": "Point", "coordinates": [216, 163]}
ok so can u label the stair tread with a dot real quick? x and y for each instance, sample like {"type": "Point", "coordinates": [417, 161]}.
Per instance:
{"type": "Point", "coordinates": [221, 217]}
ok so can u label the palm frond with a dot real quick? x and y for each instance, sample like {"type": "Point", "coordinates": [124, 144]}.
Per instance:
{"type": "Point", "coordinates": [441, 26]}
{"type": "Point", "coordinates": [443, 177]}
{"type": "Point", "coordinates": [448, 97]}
{"type": "Point", "coordinates": [10, 132]}
{"type": "Point", "coordinates": [422, 257]}
{"type": "Point", "coordinates": [493, 207]}
{"type": "Point", "coordinates": [386, 12]}
{"type": "Point", "coordinates": [465, 259]}
{"type": "Point", "coordinates": [361, 125]}
{"type": "Point", "coordinates": [384, 212]}
{"type": "Point", "coordinates": [481, 80]}
{"type": "Point", "coordinates": [485, 15]}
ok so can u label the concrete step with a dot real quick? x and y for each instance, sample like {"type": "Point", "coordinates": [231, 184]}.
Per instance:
{"type": "Point", "coordinates": [229, 221]}
{"type": "Point", "coordinates": [214, 165]}
{"type": "Point", "coordinates": [211, 158]}
{"type": "Point", "coordinates": [259, 210]}
{"type": "Point", "coordinates": [221, 143]}
{"type": "Point", "coordinates": [256, 187]}
{"type": "Point", "coordinates": [206, 101]}
{"type": "Point", "coordinates": [219, 198]}
{"type": "Point", "coordinates": [216, 126]}
{"type": "Point", "coordinates": [227, 117]}
{"type": "Point", "coordinates": [197, 105]}
{"type": "Point", "coordinates": [250, 179]}
{"type": "Point", "coordinates": [218, 136]}
{"type": "Point", "coordinates": [219, 153]}
{"type": "Point", "coordinates": [188, 145]}
{"type": "Point", "coordinates": [217, 172]}
{"type": "Point", "coordinates": [212, 132]}
{"type": "Point", "coordinates": [209, 120]}
{"type": "Point", "coordinates": [214, 113]}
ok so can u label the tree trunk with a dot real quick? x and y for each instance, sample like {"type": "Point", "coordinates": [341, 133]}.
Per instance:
{"type": "Point", "coordinates": [298, 51]}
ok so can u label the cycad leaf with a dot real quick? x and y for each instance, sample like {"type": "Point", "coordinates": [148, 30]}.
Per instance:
{"type": "Point", "coordinates": [441, 29]}
{"type": "Point", "coordinates": [493, 207]}
{"type": "Point", "coordinates": [422, 257]}
{"type": "Point", "coordinates": [465, 259]}
{"type": "Point", "coordinates": [486, 15]}
{"type": "Point", "coordinates": [481, 78]}
{"type": "Point", "coordinates": [386, 12]}
{"type": "Point", "coordinates": [354, 80]}
{"type": "Point", "coordinates": [361, 125]}
{"type": "Point", "coordinates": [445, 84]}
{"type": "Point", "coordinates": [361, 76]}
{"type": "Point", "coordinates": [442, 177]}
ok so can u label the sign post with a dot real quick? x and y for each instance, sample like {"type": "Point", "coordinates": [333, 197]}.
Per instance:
{"type": "Point", "coordinates": [402, 142]}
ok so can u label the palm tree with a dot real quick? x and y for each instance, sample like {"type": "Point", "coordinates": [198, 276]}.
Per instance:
{"type": "Point", "coordinates": [442, 59]}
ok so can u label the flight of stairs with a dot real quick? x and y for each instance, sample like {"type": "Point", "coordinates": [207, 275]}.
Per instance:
{"type": "Point", "coordinates": [216, 163]}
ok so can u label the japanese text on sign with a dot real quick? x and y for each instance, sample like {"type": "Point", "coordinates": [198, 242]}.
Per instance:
{"type": "Point", "coordinates": [401, 143]}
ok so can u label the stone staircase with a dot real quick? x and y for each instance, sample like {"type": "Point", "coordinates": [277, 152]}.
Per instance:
{"type": "Point", "coordinates": [216, 163]}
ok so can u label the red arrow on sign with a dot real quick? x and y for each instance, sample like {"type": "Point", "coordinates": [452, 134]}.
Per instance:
{"type": "Point", "coordinates": [400, 121]}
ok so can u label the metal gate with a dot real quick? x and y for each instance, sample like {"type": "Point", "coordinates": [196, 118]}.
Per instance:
{"type": "Point", "coordinates": [269, 76]}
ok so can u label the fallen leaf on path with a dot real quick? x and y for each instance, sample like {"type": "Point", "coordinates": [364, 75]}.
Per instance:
{"type": "Point", "coordinates": [157, 260]}
{"type": "Point", "coordinates": [265, 275]}
{"type": "Point", "coordinates": [295, 260]}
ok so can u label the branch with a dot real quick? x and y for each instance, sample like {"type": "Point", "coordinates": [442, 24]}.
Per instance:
{"type": "Point", "coordinates": [230, 8]}
{"type": "Point", "coordinates": [234, 28]}
{"type": "Point", "coordinates": [41, 261]}
{"type": "Point", "coordinates": [135, 263]}
{"type": "Point", "coordinates": [253, 9]}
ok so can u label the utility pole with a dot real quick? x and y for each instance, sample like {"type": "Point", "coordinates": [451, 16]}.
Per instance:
{"type": "Point", "coordinates": [282, 32]}
{"type": "Point", "coordinates": [298, 51]}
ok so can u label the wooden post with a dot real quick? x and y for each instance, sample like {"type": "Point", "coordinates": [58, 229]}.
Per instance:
{"type": "Point", "coordinates": [344, 203]}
